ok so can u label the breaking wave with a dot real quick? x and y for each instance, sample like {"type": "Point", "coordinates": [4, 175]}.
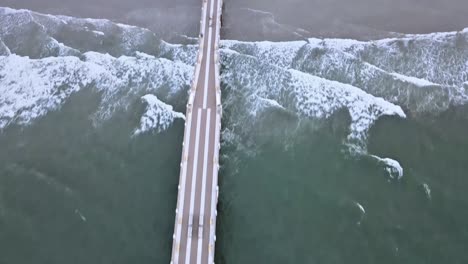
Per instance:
{"type": "Point", "coordinates": [309, 80]}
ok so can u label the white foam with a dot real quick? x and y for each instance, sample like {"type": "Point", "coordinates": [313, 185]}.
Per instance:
{"type": "Point", "coordinates": [392, 167]}
{"type": "Point", "coordinates": [158, 116]}
{"type": "Point", "coordinates": [100, 33]}
{"type": "Point", "coordinates": [416, 81]}
{"type": "Point", "coordinates": [82, 217]}
{"type": "Point", "coordinates": [11, 11]}
{"type": "Point", "coordinates": [361, 208]}
{"type": "Point", "coordinates": [306, 95]}
{"type": "Point", "coordinates": [141, 55]}
{"type": "Point", "coordinates": [262, 12]}
{"type": "Point", "coordinates": [32, 88]}
{"type": "Point", "coordinates": [427, 190]}
{"type": "Point", "coordinates": [4, 50]}
{"type": "Point", "coordinates": [260, 104]}
{"type": "Point", "coordinates": [100, 24]}
{"type": "Point", "coordinates": [339, 44]}
{"type": "Point", "coordinates": [320, 98]}
{"type": "Point", "coordinates": [277, 53]}
{"type": "Point", "coordinates": [341, 59]}
{"type": "Point", "coordinates": [435, 57]}
{"type": "Point", "coordinates": [124, 77]}
{"type": "Point", "coordinates": [180, 53]}
{"type": "Point", "coordinates": [363, 211]}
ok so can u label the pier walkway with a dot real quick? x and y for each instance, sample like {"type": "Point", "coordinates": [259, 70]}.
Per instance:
{"type": "Point", "coordinates": [195, 222]}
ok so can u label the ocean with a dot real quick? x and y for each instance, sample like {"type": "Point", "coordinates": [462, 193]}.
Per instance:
{"type": "Point", "coordinates": [333, 150]}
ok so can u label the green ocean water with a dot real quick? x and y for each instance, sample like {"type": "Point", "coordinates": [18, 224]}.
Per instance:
{"type": "Point", "coordinates": [298, 204]}
{"type": "Point", "coordinates": [61, 169]}
{"type": "Point", "coordinates": [74, 193]}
